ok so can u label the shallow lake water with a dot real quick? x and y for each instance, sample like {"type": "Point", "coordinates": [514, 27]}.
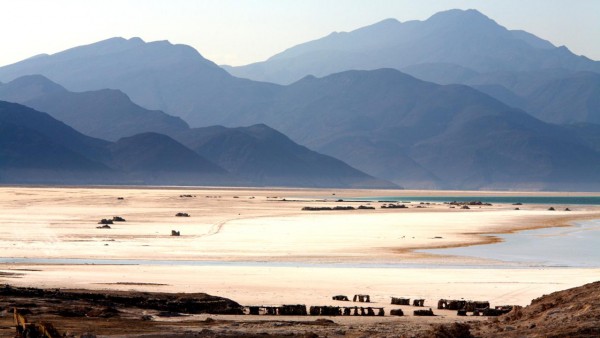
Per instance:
{"type": "Point", "coordinates": [565, 200]}
{"type": "Point", "coordinates": [574, 246]}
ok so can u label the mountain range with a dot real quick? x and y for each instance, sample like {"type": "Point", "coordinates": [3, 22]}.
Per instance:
{"type": "Point", "coordinates": [36, 148]}
{"type": "Point", "coordinates": [501, 109]}
{"type": "Point", "coordinates": [465, 41]}
{"type": "Point", "coordinates": [456, 46]}
{"type": "Point", "coordinates": [107, 113]}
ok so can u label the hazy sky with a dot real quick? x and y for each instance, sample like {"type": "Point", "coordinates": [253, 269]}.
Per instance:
{"type": "Point", "coordinates": [238, 32]}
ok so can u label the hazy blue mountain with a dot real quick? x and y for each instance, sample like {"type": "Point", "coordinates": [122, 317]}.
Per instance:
{"type": "Point", "coordinates": [27, 156]}
{"type": "Point", "coordinates": [502, 94]}
{"type": "Point", "coordinates": [410, 131]}
{"type": "Point", "coordinates": [153, 152]}
{"type": "Point", "coordinates": [267, 157]}
{"type": "Point", "coordinates": [58, 132]}
{"type": "Point", "coordinates": [571, 99]}
{"type": "Point", "coordinates": [156, 158]}
{"type": "Point", "coordinates": [107, 114]}
{"type": "Point", "coordinates": [36, 148]}
{"type": "Point", "coordinates": [465, 39]}
{"type": "Point", "coordinates": [156, 75]}
{"type": "Point", "coordinates": [383, 122]}
{"type": "Point", "coordinates": [553, 95]}
{"type": "Point", "coordinates": [586, 133]}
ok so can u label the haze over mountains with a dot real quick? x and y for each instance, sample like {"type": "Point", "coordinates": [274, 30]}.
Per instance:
{"type": "Point", "coordinates": [36, 148]}
{"type": "Point", "coordinates": [455, 46]}
{"type": "Point", "coordinates": [106, 113]}
{"type": "Point", "coordinates": [467, 42]}
{"type": "Point", "coordinates": [502, 131]}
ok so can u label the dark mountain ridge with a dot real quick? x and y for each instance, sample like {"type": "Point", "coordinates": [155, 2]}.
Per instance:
{"type": "Point", "coordinates": [107, 113]}
{"type": "Point", "coordinates": [391, 125]}
{"type": "Point", "coordinates": [36, 148]}
{"type": "Point", "coordinates": [157, 75]}
{"type": "Point", "coordinates": [264, 155]}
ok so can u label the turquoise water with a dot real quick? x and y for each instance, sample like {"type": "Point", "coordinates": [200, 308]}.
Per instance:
{"type": "Point", "coordinates": [575, 246]}
{"type": "Point", "coordinates": [565, 200]}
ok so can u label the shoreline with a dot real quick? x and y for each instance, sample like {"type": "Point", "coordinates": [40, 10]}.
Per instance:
{"type": "Point", "coordinates": [304, 256]}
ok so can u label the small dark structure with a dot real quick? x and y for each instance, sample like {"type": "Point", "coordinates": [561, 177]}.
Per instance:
{"type": "Point", "coordinates": [345, 311]}
{"type": "Point", "coordinates": [400, 301]}
{"type": "Point", "coordinates": [396, 312]}
{"type": "Point", "coordinates": [551, 209]}
{"type": "Point", "coordinates": [188, 196]}
{"type": "Point", "coordinates": [292, 310]}
{"type": "Point", "coordinates": [394, 206]}
{"type": "Point", "coordinates": [567, 209]}
{"type": "Point", "coordinates": [328, 208]}
{"type": "Point", "coordinates": [479, 203]}
{"type": "Point", "coordinates": [366, 207]}
{"type": "Point", "coordinates": [105, 226]}
{"type": "Point", "coordinates": [463, 305]}
{"type": "Point", "coordinates": [325, 311]}
{"type": "Point", "coordinates": [419, 302]}
{"type": "Point", "coordinates": [504, 309]}
{"type": "Point", "coordinates": [340, 297]}
{"type": "Point", "coordinates": [423, 312]}
{"type": "Point", "coordinates": [118, 219]}
{"type": "Point", "coordinates": [120, 198]}
{"type": "Point", "coordinates": [477, 305]}
{"type": "Point", "coordinates": [461, 313]}
{"type": "Point", "coordinates": [465, 207]}
{"type": "Point", "coordinates": [175, 233]}
{"type": "Point", "coordinates": [182, 214]}
{"type": "Point", "coordinates": [105, 221]}
{"type": "Point", "coordinates": [451, 304]}
{"type": "Point", "coordinates": [283, 310]}
{"type": "Point", "coordinates": [362, 298]}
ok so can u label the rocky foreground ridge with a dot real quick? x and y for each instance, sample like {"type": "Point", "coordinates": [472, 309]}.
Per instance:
{"type": "Point", "coordinates": [570, 313]}
{"type": "Point", "coordinates": [83, 313]}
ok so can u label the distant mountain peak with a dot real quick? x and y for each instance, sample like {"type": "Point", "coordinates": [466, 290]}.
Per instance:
{"type": "Point", "coordinates": [37, 80]}
{"type": "Point", "coordinates": [470, 18]}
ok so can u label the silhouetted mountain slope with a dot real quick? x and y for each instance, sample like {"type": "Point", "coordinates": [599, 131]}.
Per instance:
{"type": "Point", "coordinates": [408, 131]}
{"type": "Point", "coordinates": [265, 156]}
{"type": "Point", "coordinates": [27, 156]}
{"type": "Point", "coordinates": [382, 122]}
{"type": "Point", "coordinates": [58, 132]}
{"type": "Point", "coordinates": [586, 133]}
{"type": "Point", "coordinates": [455, 46]}
{"type": "Point", "coordinates": [156, 75]}
{"type": "Point", "coordinates": [156, 153]}
{"type": "Point", "coordinates": [36, 148]}
{"type": "Point", "coordinates": [23, 147]}
{"type": "Point", "coordinates": [107, 114]}
{"type": "Point", "coordinates": [463, 38]}
{"type": "Point", "coordinates": [575, 98]}
{"type": "Point", "coordinates": [157, 158]}
{"type": "Point", "coordinates": [553, 95]}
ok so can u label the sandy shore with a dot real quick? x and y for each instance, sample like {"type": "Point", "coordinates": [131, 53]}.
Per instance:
{"type": "Point", "coordinates": [277, 253]}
